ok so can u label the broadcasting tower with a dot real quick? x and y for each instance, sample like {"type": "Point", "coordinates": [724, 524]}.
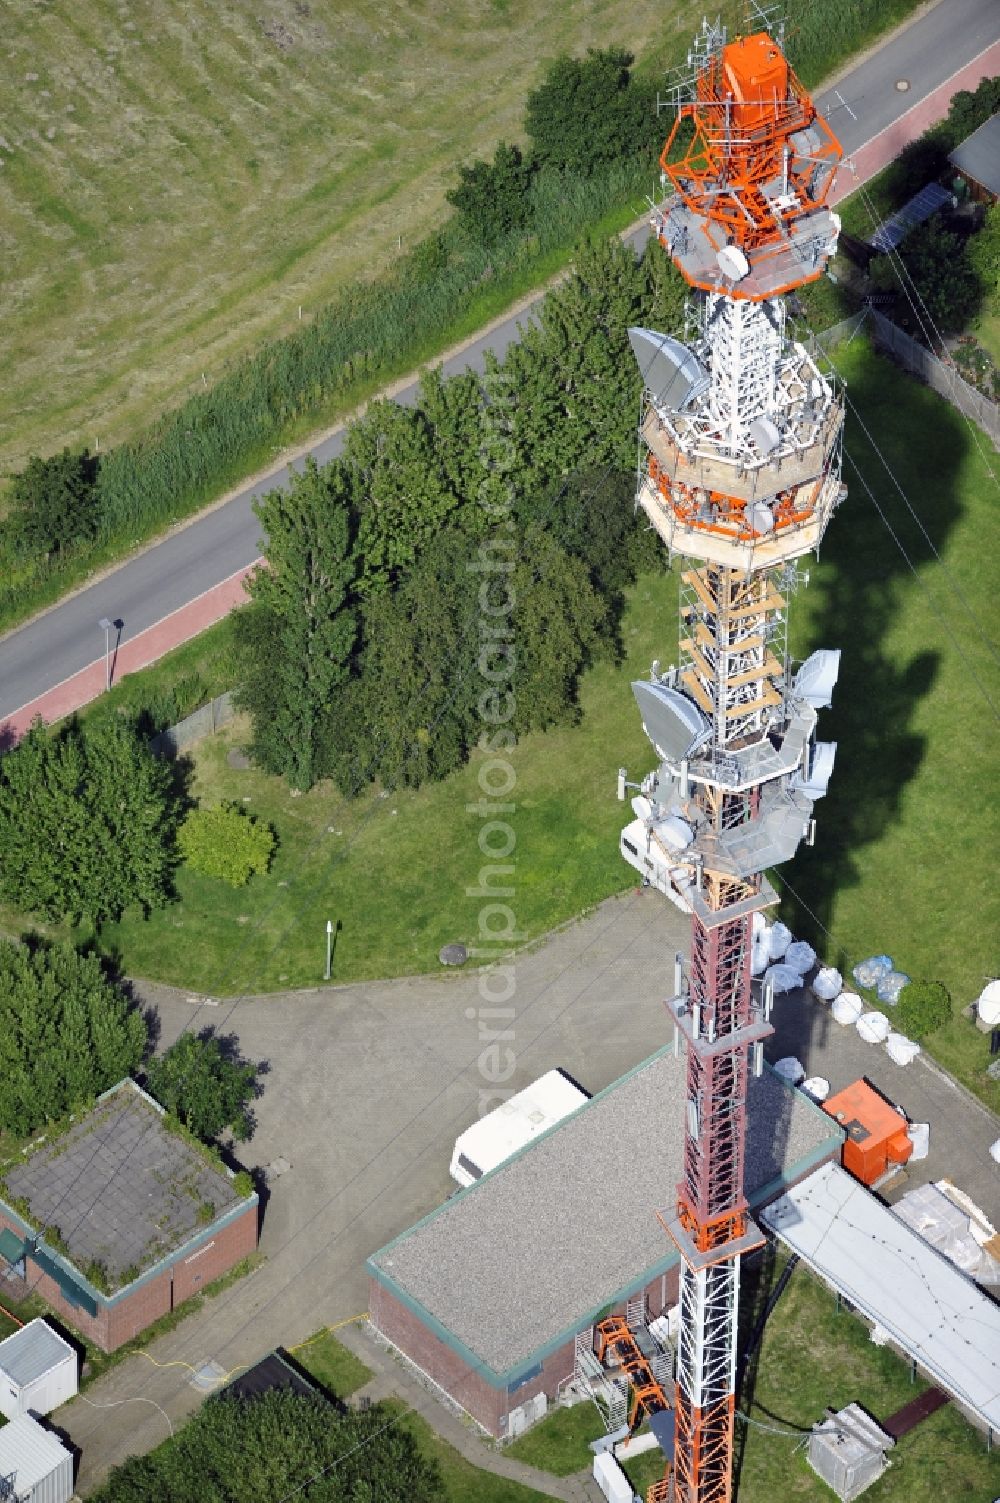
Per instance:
{"type": "Point", "coordinates": [739, 473]}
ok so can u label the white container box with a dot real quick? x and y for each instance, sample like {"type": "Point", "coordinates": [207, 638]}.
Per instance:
{"type": "Point", "coordinates": [38, 1370]}
{"type": "Point", "coordinates": [37, 1460]}
{"type": "Point", "coordinates": [611, 1479]}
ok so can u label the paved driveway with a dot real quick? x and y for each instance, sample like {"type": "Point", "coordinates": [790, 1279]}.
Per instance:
{"type": "Point", "coordinates": [368, 1087]}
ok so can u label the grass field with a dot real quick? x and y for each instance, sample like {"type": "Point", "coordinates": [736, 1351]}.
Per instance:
{"type": "Point", "coordinates": [178, 179]}
{"type": "Point", "coordinates": [903, 858]}
{"type": "Point", "coordinates": [180, 175]}
{"type": "Point", "coordinates": [811, 1357]}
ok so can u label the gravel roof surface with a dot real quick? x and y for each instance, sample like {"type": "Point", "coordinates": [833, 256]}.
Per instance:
{"type": "Point", "coordinates": [121, 1189]}
{"type": "Point", "coordinates": [555, 1232]}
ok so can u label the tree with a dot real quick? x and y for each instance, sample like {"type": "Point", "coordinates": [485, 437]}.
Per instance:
{"type": "Point", "coordinates": [207, 1085]}
{"type": "Point", "coordinates": [66, 1033]}
{"type": "Point", "coordinates": [257, 1450]}
{"type": "Point", "coordinates": [937, 260]}
{"type": "Point", "coordinates": [452, 410]}
{"type": "Point", "coordinates": [411, 714]}
{"type": "Point", "coordinates": [53, 501]}
{"type": "Point", "coordinates": [103, 818]}
{"type": "Point", "coordinates": [923, 1008]}
{"type": "Point", "coordinates": [402, 491]}
{"type": "Point", "coordinates": [492, 197]}
{"type": "Point", "coordinates": [984, 257]}
{"type": "Point", "coordinates": [294, 641]}
{"type": "Point", "coordinates": [556, 631]}
{"type": "Point", "coordinates": [226, 842]}
{"type": "Point", "coordinates": [592, 514]}
{"type": "Point", "coordinates": [589, 112]}
{"type": "Point", "coordinates": [567, 394]}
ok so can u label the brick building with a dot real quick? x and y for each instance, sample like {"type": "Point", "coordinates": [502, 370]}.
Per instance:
{"type": "Point", "coordinates": [119, 1220]}
{"type": "Point", "coordinates": [488, 1293]}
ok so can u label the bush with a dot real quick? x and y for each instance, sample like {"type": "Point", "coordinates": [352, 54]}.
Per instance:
{"type": "Point", "coordinates": [54, 502]}
{"type": "Point", "coordinates": [103, 815]}
{"type": "Point", "coordinates": [588, 113]}
{"type": "Point", "coordinates": [923, 1008]}
{"type": "Point", "coordinates": [226, 843]}
{"type": "Point", "coordinates": [492, 198]}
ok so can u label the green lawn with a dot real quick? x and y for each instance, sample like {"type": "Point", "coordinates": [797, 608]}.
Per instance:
{"type": "Point", "coordinates": [332, 1364]}
{"type": "Point", "coordinates": [463, 1482]}
{"type": "Point", "coordinates": [561, 1443]}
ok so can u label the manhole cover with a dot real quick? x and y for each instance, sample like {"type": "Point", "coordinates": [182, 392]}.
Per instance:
{"type": "Point", "coordinates": [277, 1168]}
{"type": "Point", "coordinates": [453, 955]}
{"type": "Point", "coordinates": [902, 84]}
{"type": "Point", "coordinates": [209, 1375]}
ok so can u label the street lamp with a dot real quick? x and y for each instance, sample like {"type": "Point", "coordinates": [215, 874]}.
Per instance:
{"type": "Point", "coordinates": [105, 626]}
{"type": "Point", "coordinates": [329, 948]}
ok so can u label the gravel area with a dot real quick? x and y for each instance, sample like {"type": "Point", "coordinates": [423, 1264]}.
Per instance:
{"type": "Point", "coordinates": [122, 1190]}
{"type": "Point", "coordinates": [556, 1232]}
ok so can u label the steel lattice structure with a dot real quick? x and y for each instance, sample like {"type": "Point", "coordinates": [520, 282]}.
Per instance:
{"type": "Point", "coordinates": [740, 450]}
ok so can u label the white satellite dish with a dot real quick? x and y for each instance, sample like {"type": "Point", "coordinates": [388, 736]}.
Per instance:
{"type": "Point", "coordinates": [733, 263]}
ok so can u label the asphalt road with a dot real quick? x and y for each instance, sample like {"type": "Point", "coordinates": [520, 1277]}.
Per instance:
{"type": "Point", "coordinates": [200, 554]}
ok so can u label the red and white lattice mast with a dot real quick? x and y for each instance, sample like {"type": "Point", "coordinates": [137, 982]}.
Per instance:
{"type": "Point", "coordinates": [739, 473]}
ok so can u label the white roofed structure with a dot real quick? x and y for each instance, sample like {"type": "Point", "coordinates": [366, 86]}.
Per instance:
{"type": "Point", "coordinates": [898, 1281]}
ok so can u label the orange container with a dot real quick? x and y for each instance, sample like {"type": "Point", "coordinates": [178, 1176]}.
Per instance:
{"type": "Point", "coordinates": [876, 1131]}
{"type": "Point", "coordinates": [757, 76]}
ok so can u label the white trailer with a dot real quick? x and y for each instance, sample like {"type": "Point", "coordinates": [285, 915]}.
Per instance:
{"type": "Point", "coordinates": [513, 1124]}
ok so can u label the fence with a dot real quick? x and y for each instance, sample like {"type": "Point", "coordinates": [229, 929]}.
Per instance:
{"type": "Point", "coordinates": [921, 362]}
{"type": "Point", "coordinates": [915, 358]}
{"type": "Point", "coordinates": [202, 722]}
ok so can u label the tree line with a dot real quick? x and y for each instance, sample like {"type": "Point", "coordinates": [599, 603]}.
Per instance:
{"type": "Point", "coordinates": [358, 655]}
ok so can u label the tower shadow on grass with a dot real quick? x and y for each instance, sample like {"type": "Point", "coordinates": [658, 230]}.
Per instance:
{"type": "Point", "coordinates": [852, 603]}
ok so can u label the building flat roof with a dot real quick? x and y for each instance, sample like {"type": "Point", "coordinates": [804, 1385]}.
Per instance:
{"type": "Point", "coordinates": [885, 1268]}
{"type": "Point", "coordinates": [513, 1266]}
{"type": "Point", "coordinates": [121, 1188]}
{"type": "Point", "coordinates": [978, 156]}
{"type": "Point", "coordinates": [33, 1350]}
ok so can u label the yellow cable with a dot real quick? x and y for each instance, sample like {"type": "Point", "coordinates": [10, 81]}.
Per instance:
{"type": "Point", "coordinates": [351, 1320]}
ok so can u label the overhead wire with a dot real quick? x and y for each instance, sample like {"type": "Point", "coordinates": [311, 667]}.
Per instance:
{"type": "Point", "coordinates": [923, 316]}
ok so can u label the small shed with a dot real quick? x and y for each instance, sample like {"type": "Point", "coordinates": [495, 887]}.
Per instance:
{"type": "Point", "coordinates": [34, 1463]}
{"type": "Point", "coordinates": [977, 158]}
{"type": "Point", "coordinates": [38, 1370]}
{"type": "Point", "coordinates": [848, 1450]}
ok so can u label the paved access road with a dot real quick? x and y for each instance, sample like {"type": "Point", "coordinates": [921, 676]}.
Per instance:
{"type": "Point", "coordinates": [195, 558]}
{"type": "Point", "coordinates": [368, 1087]}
